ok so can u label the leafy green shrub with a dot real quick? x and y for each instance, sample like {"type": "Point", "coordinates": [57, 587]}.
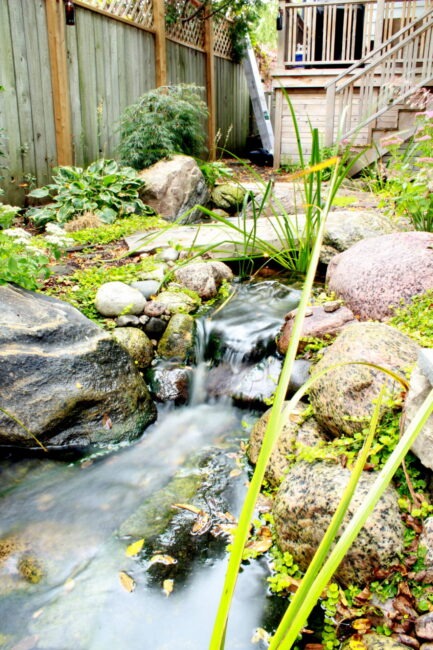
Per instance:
{"type": "Point", "coordinates": [164, 121]}
{"type": "Point", "coordinates": [7, 215]}
{"type": "Point", "coordinates": [23, 265]}
{"type": "Point", "coordinates": [105, 189]}
{"type": "Point", "coordinates": [409, 174]}
{"type": "Point", "coordinates": [213, 171]}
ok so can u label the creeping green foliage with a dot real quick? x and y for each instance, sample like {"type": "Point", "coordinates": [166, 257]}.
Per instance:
{"type": "Point", "coordinates": [24, 266]}
{"type": "Point", "coordinates": [164, 121]}
{"type": "Point", "coordinates": [415, 319]}
{"type": "Point", "coordinates": [105, 189]}
{"type": "Point", "coordinates": [80, 288]}
{"type": "Point", "coordinates": [106, 234]}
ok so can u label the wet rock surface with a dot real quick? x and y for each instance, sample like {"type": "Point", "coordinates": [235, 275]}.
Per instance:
{"type": "Point", "coordinates": [66, 379]}
{"type": "Point", "coordinates": [305, 504]}
{"type": "Point", "coordinates": [177, 342]}
{"type": "Point", "coordinates": [343, 399]}
{"type": "Point", "coordinates": [136, 343]}
{"type": "Point", "coordinates": [380, 273]}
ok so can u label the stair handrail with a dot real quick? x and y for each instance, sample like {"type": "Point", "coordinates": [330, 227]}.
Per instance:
{"type": "Point", "coordinates": [377, 50]}
{"type": "Point", "coordinates": [331, 87]}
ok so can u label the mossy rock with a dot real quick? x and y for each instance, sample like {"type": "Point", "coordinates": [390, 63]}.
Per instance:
{"type": "Point", "coordinates": [136, 343]}
{"type": "Point", "coordinates": [177, 342]}
{"type": "Point", "coordinates": [228, 197]}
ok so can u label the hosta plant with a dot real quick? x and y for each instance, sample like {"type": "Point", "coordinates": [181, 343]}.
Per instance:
{"type": "Point", "coordinates": [105, 189]}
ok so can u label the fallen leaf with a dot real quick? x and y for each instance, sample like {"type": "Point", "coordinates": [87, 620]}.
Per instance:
{"type": "Point", "coordinates": [134, 548]}
{"type": "Point", "coordinates": [167, 586]}
{"type": "Point", "coordinates": [235, 472]}
{"type": "Point", "coordinates": [185, 506]}
{"type": "Point", "coordinates": [202, 524]}
{"type": "Point", "coordinates": [78, 385]}
{"type": "Point", "coordinates": [361, 625]}
{"type": "Point", "coordinates": [162, 559]}
{"type": "Point", "coordinates": [127, 582]}
{"type": "Point", "coordinates": [262, 541]}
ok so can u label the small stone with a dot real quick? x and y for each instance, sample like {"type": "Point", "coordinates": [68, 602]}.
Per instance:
{"type": "Point", "coordinates": [113, 298]}
{"type": "Point", "coordinates": [424, 626]}
{"type": "Point", "coordinates": [177, 301]}
{"type": "Point", "coordinates": [154, 309]}
{"type": "Point", "coordinates": [171, 385]}
{"type": "Point", "coordinates": [147, 287]}
{"type": "Point", "coordinates": [143, 320]}
{"type": "Point", "coordinates": [127, 321]}
{"type": "Point", "coordinates": [331, 306]}
{"type": "Point", "coordinates": [158, 274]}
{"type": "Point", "coordinates": [204, 278]}
{"type": "Point", "coordinates": [168, 255]}
{"type": "Point", "coordinates": [155, 327]}
{"type": "Point", "coordinates": [426, 646]}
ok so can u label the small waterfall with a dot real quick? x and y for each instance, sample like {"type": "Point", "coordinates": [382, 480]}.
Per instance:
{"type": "Point", "coordinates": [198, 390]}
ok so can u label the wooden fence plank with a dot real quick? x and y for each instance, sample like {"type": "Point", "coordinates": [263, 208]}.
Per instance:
{"type": "Point", "coordinates": [59, 79]}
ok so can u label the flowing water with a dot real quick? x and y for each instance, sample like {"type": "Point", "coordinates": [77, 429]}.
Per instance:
{"type": "Point", "coordinates": [66, 582]}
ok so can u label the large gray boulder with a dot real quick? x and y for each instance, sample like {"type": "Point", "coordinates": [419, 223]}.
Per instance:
{"type": "Point", "coordinates": [343, 399]}
{"type": "Point", "coordinates": [173, 187]}
{"type": "Point", "coordinates": [381, 273]}
{"type": "Point", "coordinates": [305, 504]}
{"type": "Point", "coordinates": [64, 378]}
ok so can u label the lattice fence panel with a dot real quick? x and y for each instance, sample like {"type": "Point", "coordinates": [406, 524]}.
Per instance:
{"type": "Point", "coordinates": [222, 38]}
{"type": "Point", "coordinates": [139, 12]}
{"type": "Point", "coordinates": [187, 25]}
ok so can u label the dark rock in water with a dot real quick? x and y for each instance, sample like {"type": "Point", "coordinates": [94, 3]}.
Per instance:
{"type": "Point", "coordinates": [155, 327]}
{"type": "Point", "coordinates": [65, 378]}
{"type": "Point", "coordinates": [170, 384]}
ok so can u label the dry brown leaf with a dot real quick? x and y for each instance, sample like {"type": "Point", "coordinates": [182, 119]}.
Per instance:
{"type": "Point", "coordinates": [202, 524]}
{"type": "Point", "coordinates": [126, 581]}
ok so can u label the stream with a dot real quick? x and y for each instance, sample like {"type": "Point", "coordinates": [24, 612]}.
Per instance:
{"type": "Point", "coordinates": [66, 580]}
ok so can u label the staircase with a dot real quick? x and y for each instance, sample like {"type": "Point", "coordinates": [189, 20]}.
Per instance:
{"type": "Point", "coordinates": [369, 100]}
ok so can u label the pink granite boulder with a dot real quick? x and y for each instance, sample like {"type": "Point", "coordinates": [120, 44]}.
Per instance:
{"type": "Point", "coordinates": [377, 274]}
{"type": "Point", "coordinates": [320, 322]}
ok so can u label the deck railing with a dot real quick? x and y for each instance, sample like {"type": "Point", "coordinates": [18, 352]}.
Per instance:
{"type": "Point", "coordinates": [338, 33]}
{"type": "Point", "coordinates": [388, 75]}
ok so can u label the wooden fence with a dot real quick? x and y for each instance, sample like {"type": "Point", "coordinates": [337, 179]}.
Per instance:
{"type": "Point", "coordinates": [66, 86]}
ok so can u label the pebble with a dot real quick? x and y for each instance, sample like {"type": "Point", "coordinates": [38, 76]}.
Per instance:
{"type": "Point", "coordinates": [125, 321]}
{"type": "Point", "coordinates": [424, 626]}
{"type": "Point", "coordinates": [155, 327]}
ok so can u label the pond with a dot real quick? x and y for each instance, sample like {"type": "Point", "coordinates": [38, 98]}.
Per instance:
{"type": "Point", "coordinates": [69, 578]}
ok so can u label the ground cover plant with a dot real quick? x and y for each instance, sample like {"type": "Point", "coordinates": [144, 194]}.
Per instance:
{"type": "Point", "coordinates": [163, 122]}
{"type": "Point", "coordinates": [105, 189]}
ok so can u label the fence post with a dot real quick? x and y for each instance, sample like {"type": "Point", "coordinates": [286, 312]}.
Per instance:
{"type": "Point", "coordinates": [210, 85]}
{"type": "Point", "coordinates": [59, 80]}
{"type": "Point", "coordinates": [160, 43]}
